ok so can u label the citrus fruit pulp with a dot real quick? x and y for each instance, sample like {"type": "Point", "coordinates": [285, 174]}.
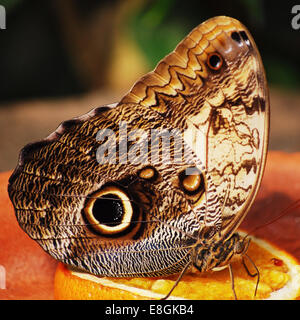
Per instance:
{"type": "Point", "coordinates": [279, 276]}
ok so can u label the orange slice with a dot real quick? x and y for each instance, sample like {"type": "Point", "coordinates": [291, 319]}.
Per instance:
{"type": "Point", "coordinates": [279, 279]}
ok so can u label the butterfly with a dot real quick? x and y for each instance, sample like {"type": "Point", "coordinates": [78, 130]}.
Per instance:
{"type": "Point", "coordinates": [161, 180]}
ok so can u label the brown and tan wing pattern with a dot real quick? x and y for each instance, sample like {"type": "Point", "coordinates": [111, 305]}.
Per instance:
{"type": "Point", "coordinates": [139, 217]}
{"type": "Point", "coordinates": [213, 86]}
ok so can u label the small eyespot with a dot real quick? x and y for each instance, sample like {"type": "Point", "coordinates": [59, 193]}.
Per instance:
{"type": "Point", "coordinates": [236, 37]}
{"type": "Point", "coordinates": [109, 211]}
{"type": "Point", "coordinates": [245, 37]}
{"type": "Point", "coordinates": [214, 61]}
{"type": "Point", "coordinates": [148, 173]}
{"type": "Point", "coordinates": [192, 181]}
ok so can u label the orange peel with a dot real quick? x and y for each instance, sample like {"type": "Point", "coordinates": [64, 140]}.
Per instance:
{"type": "Point", "coordinates": [279, 279]}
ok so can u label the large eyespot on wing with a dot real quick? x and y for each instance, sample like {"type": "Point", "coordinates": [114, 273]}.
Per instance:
{"type": "Point", "coordinates": [49, 175]}
{"type": "Point", "coordinates": [111, 212]}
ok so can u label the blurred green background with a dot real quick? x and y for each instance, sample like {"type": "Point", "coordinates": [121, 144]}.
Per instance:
{"type": "Point", "coordinates": [59, 59]}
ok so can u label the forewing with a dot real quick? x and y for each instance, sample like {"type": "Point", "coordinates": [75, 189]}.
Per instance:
{"type": "Point", "coordinates": [213, 87]}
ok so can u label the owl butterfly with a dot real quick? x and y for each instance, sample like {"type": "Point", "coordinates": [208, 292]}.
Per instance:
{"type": "Point", "coordinates": [102, 194]}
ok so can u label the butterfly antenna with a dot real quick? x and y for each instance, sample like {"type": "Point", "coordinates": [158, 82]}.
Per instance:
{"type": "Point", "coordinates": [295, 205]}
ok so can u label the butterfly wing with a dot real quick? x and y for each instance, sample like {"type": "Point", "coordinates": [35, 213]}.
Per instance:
{"type": "Point", "coordinates": [98, 213]}
{"type": "Point", "coordinates": [213, 86]}
{"type": "Point", "coordinates": [115, 213]}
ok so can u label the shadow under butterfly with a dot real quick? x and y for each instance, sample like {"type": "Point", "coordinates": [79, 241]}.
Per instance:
{"type": "Point", "coordinates": [124, 212]}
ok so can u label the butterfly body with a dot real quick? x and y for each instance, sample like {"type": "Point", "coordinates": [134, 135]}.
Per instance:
{"type": "Point", "coordinates": [162, 179]}
{"type": "Point", "coordinates": [217, 254]}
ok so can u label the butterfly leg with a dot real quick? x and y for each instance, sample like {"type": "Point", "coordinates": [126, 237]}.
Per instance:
{"type": "Point", "coordinates": [256, 274]}
{"type": "Point", "coordinates": [232, 281]}
{"type": "Point", "coordinates": [177, 280]}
